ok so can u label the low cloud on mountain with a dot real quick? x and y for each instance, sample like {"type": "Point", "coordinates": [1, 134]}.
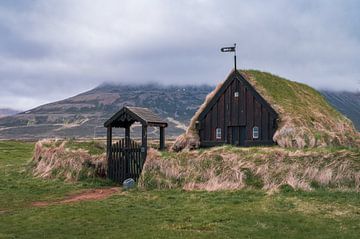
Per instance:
{"type": "Point", "coordinates": [52, 49]}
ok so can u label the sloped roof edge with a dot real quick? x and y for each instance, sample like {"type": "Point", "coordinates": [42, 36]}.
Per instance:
{"type": "Point", "coordinates": [143, 115]}
{"type": "Point", "coordinates": [242, 78]}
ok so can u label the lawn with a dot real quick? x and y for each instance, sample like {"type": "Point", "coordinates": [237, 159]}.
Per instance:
{"type": "Point", "coordinates": [165, 213]}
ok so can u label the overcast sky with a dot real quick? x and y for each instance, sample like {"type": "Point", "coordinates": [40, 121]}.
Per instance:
{"type": "Point", "coordinates": [53, 49]}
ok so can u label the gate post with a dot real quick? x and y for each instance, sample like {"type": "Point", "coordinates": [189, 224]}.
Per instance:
{"type": "Point", "coordinates": [127, 132]}
{"type": "Point", "coordinates": [127, 152]}
{"type": "Point", "coordinates": [144, 142]}
{"type": "Point", "coordinates": [162, 138]}
{"type": "Point", "coordinates": [108, 148]}
{"type": "Point", "coordinates": [109, 142]}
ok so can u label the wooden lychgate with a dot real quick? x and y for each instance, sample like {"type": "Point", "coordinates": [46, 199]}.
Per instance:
{"type": "Point", "coordinates": [126, 157]}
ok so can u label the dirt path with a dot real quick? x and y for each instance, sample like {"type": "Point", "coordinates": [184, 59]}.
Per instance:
{"type": "Point", "coordinates": [88, 195]}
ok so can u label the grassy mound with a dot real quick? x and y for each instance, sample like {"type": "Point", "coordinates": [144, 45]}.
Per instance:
{"type": "Point", "coordinates": [69, 160]}
{"type": "Point", "coordinates": [306, 119]}
{"type": "Point", "coordinates": [268, 168]}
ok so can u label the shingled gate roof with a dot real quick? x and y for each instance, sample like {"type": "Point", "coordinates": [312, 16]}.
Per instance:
{"type": "Point", "coordinates": [128, 115]}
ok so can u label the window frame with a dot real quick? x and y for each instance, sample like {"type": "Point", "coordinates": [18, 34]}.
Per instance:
{"type": "Point", "coordinates": [255, 132]}
{"type": "Point", "coordinates": [218, 133]}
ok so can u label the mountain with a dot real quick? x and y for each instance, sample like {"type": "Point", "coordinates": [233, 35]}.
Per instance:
{"type": "Point", "coordinates": [83, 115]}
{"type": "Point", "coordinates": [7, 112]}
{"type": "Point", "coordinates": [347, 103]}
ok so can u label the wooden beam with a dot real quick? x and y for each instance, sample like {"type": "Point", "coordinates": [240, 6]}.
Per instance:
{"type": "Point", "coordinates": [144, 142]}
{"type": "Point", "coordinates": [127, 136]}
{"type": "Point", "coordinates": [127, 132]}
{"type": "Point", "coordinates": [108, 150]}
{"type": "Point", "coordinates": [162, 138]}
{"type": "Point", "coordinates": [108, 142]}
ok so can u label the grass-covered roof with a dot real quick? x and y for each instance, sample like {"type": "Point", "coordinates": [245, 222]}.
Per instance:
{"type": "Point", "coordinates": [306, 118]}
{"type": "Point", "coordinates": [290, 97]}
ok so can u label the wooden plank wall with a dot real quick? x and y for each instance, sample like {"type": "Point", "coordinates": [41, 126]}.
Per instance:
{"type": "Point", "coordinates": [221, 116]}
{"type": "Point", "coordinates": [249, 114]}
{"type": "Point", "coordinates": [244, 110]}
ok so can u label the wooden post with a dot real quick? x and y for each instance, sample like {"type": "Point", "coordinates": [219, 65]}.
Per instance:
{"type": "Point", "coordinates": [144, 142]}
{"type": "Point", "coordinates": [127, 132]}
{"type": "Point", "coordinates": [108, 149]}
{"type": "Point", "coordinates": [127, 145]}
{"type": "Point", "coordinates": [108, 142]}
{"type": "Point", "coordinates": [162, 138]}
{"type": "Point", "coordinates": [127, 136]}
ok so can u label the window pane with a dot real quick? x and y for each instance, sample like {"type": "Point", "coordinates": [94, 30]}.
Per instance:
{"type": "Point", "coordinates": [255, 132]}
{"type": "Point", "coordinates": [218, 133]}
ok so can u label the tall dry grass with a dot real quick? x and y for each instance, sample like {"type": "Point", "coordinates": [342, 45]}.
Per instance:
{"type": "Point", "coordinates": [227, 168]}
{"type": "Point", "coordinates": [51, 159]}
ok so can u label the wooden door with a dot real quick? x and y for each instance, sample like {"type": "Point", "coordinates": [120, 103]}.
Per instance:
{"type": "Point", "coordinates": [233, 135]}
{"type": "Point", "coordinates": [237, 135]}
{"type": "Point", "coordinates": [242, 134]}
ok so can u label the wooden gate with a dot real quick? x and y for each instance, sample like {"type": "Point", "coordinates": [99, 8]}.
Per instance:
{"type": "Point", "coordinates": [126, 160]}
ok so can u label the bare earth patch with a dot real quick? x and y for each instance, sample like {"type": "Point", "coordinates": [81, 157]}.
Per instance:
{"type": "Point", "coordinates": [88, 195]}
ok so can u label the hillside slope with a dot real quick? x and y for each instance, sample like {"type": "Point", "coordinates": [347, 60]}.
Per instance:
{"type": "Point", "coordinates": [7, 112]}
{"type": "Point", "coordinates": [347, 103]}
{"type": "Point", "coordinates": [83, 115]}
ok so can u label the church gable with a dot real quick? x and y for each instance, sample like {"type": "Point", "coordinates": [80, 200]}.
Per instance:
{"type": "Point", "coordinates": [237, 114]}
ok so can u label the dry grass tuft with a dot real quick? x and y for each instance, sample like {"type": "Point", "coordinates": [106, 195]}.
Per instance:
{"type": "Point", "coordinates": [268, 168]}
{"type": "Point", "coordinates": [52, 159]}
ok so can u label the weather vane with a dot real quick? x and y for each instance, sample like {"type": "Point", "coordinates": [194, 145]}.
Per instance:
{"type": "Point", "coordinates": [230, 49]}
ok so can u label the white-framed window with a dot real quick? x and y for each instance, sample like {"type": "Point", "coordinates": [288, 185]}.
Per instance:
{"type": "Point", "coordinates": [236, 94]}
{"type": "Point", "coordinates": [218, 133]}
{"type": "Point", "coordinates": [255, 132]}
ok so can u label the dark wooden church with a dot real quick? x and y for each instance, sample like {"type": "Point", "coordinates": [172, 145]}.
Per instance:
{"type": "Point", "coordinates": [237, 114]}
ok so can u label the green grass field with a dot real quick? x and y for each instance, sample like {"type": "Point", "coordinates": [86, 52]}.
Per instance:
{"type": "Point", "coordinates": [166, 213]}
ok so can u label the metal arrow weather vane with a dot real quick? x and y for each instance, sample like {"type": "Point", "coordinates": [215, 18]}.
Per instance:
{"type": "Point", "coordinates": [230, 49]}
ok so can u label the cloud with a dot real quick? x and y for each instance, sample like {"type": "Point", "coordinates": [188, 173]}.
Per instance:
{"type": "Point", "coordinates": [50, 49]}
